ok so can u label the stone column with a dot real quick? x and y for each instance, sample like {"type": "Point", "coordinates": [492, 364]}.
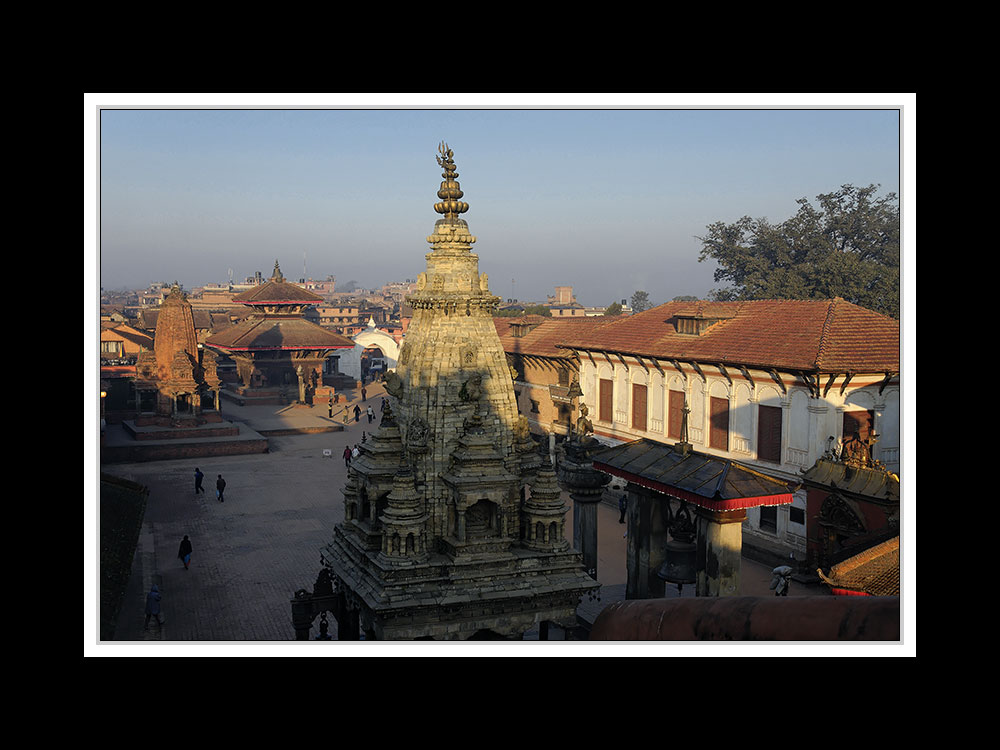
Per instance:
{"type": "Point", "coordinates": [585, 529]}
{"type": "Point", "coordinates": [647, 543]}
{"type": "Point", "coordinates": [720, 545]}
{"type": "Point", "coordinates": [585, 485]}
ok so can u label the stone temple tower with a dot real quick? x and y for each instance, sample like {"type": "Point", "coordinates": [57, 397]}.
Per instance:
{"type": "Point", "coordinates": [452, 369]}
{"type": "Point", "coordinates": [445, 535]}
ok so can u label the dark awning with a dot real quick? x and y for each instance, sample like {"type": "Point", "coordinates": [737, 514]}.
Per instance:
{"type": "Point", "coordinates": [707, 481]}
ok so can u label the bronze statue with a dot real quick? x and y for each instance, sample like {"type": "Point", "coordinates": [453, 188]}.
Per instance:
{"type": "Point", "coordinates": [583, 424]}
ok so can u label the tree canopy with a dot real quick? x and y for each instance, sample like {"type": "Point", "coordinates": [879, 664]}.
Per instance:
{"type": "Point", "coordinates": [615, 308]}
{"type": "Point", "coordinates": [847, 247]}
{"type": "Point", "coordinates": [519, 312]}
{"type": "Point", "coordinates": [640, 301]}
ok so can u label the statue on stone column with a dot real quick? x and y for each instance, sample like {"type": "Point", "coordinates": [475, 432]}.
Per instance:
{"type": "Point", "coordinates": [584, 425]}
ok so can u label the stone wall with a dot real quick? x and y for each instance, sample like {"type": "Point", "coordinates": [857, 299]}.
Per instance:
{"type": "Point", "coordinates": [162, 452]}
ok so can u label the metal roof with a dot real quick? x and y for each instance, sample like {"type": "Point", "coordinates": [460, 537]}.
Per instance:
{"type": "Point", "coordinates": [707, 481]}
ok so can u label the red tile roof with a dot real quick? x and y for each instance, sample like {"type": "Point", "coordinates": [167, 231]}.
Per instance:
{"type": "Point", "coordinates": [547, 334]}
{"type": "Point", "coordinates": [824, 335]}
{"type": "Point", "coordinates": [874, 572]}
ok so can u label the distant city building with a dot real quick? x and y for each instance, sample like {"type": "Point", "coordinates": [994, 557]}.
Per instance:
{"type": "Point", "coordinates": [121, 341]}
{"type": "Point", "coordinates": [564, 305]}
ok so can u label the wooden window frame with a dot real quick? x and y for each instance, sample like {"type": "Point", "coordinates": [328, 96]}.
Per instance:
{"type": "Point", "coordinates": [718, 435]}
{"type": "Point", "coordinates": [675, 413]}
{"type": "Point", "coordinates": [637, 389]}
{"type": "Point", "coordinates": [769, 420]}
{"type": "Point", "coordinates": [605, 400]}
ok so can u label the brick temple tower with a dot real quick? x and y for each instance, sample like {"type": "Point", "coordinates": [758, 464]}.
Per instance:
{"type": "Point", "coordinates": [442, 536]}
{"type": "Point", "coordinates": [175, 369]}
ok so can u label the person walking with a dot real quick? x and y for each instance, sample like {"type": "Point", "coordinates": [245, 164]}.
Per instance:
{"type": "Point", "coordinates": [622, 506]}
{"type": "Point", "coordinates": [153, 606]}
{"type": "Point", "coordinates": [329, 409]}
{"type": "Point", "coordinates": [220, 489]}
{"type": "Point", "coordinates": [184, 553]}
{"type": "Point", "coordinates": [356, 452]}
{"type": "Point", "coordinates": [347, 456]}
{"type": "Point", "coordinates": [371, 414]}
{"type": "Point", "coordinates": [357, 413]}
{"type": "Point", "coordinates": [364, 393]}
{"type": "Point", "coordinates": [198, 476]}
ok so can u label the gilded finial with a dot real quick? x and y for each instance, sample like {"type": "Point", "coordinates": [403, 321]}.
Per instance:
{"type": "Point", "coordinates": [450, 192]}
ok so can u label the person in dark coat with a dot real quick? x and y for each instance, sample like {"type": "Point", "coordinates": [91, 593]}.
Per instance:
{"type": "Point", "coordinates": [153, 606]}
{"type": "Point", "coordinates": [357, 413]}
{"type": "Point", "coordinates": [220, 488]}
{"type": "Point", "coordinates": [623, 507]}
{"type": "Point", "coordinates": [198, 476]}
{"type": "Point", "coordinates": [184, 553]}
{"type": "Point", "coordinates": [364, 394]}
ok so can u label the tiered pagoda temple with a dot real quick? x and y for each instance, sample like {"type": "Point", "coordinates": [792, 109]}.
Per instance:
{"type": "Point", "coordinates": [279, 354]}
{"type": "Point", "coordinates": [451, 529]}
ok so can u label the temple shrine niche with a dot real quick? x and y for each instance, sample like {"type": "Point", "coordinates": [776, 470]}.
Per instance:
{"type": "Point", "coordinates": [280, 356]}
{"type": "Point", "coordinates": [453, 529]}
{"type": "Point", "coordinates": [852, 502]}
{"type": "Point", "coordinates": [176, 380]}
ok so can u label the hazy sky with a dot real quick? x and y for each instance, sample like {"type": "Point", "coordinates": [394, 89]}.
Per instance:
{"type": "Point", "coordinates": [606, 201]}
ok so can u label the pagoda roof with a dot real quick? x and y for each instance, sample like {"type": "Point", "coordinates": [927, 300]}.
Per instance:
{"type": "Point", "coordinates": [277, 333]}
{"type": "Point", "coordinates": [709, 482]}
{"type": "Point", "coordinates": [277, 291]}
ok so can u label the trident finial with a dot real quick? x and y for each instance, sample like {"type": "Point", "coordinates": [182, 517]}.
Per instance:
{"type": "Point", "coordinates": [450, 191]}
